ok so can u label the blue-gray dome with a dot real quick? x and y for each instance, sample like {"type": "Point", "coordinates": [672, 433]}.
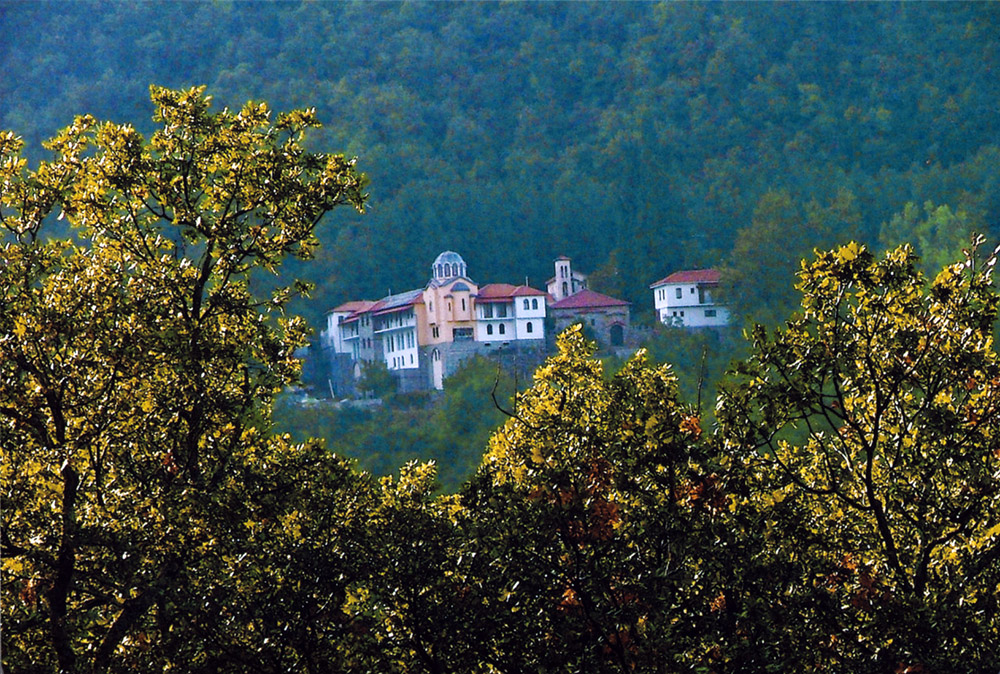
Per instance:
{"type": "Point", "coordinates": [447, 265]}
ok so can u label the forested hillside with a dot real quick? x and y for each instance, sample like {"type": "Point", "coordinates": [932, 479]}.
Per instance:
{"type": "Point", "coordinates": [841, 514]}
{"type": "Point", "coordinates": [637, 138]}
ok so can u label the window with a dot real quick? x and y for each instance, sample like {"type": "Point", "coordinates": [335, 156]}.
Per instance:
{"type": "Point", "coordinates": [692, 291]}
{"type": "Point", "coordinates": [489, 329]}
{"type": "Point", "coordinates": [435, 333]}
{"type": "Point", "coordinates": [565, 288]}
{"type": "Point", "coordinates": [440, 270]}
{"type": "Point", "coordinates": [502, 311]}
{"type": "Point", "coordinates": [487, 311]}
{"type": "Point", "coordinates": [679, 292]}
{"type": "Point", "coordinates": [449, 307]}
{"type": "Point", "coordinates": [411, 359]}
{"type": "Point", "coordinates": [461, 334]}
{"type": "Point", "coordinates": [530, 328]}
{"type": "Point", "coordinates": [463, 304]}
{"type": "Point", "coordinates": [503, 329]}
{"type": "Point", "coordinates": [709, 313]}
{"type": "Point", "coordinates": [526, 304]}
{"type": "Point", "coordinates": [534, 303]}
{"type": "Point", "coordinates": [430, 307]}
{"type": "Point", "coordinates": [682, 314]}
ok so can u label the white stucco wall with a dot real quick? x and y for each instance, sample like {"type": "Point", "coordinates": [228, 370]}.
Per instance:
{"type": "Point", "coordinates": [688, 310]}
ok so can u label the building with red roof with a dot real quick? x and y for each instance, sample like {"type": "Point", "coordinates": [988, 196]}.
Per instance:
{"type": "Point", "coordinates": [567, 281]}
{"type": "Point", "coordinates": [685, 299]}
{"type": "Point", "coordinates": [606, 318]}
{"type": "Point", "coordinates": [506, 312]}
{"type": "Point", "coordinates": [422, 335]}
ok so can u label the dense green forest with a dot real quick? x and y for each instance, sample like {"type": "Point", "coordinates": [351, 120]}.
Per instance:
{"type": "Point", "coordinates": [833, 508]}
{"type": "Point", "coordinates": [638, 138]}
{"type": "Point", "coordinates": [843, 513]}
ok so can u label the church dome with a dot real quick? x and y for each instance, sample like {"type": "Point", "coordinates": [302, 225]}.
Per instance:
{"type": "Point", "coordinates": [447, 265]}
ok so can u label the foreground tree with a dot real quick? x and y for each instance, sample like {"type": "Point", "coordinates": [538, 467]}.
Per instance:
{"type": "Point", "coordinates": [867, 432]}
{"type": "Point", "coordinates": [137, 368]}
{"type": "Point", "coordinates": [598, 525]}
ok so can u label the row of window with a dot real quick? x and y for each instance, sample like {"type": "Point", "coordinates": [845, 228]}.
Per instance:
{"type": "Point", "coordinates": [679, 293]}
{"type": "Point", "coordinates": [394, 320]}
{"type": "Point", "coordinates": [501, 311]}
{"type": "Point", "coordinates": [400, 361]}
{"type": "Point", "coordinates": [400, 342]}
{"type": "Point", "coordinates": [448, 269]}
{"type": "Point", "coordinates": [529, 328]}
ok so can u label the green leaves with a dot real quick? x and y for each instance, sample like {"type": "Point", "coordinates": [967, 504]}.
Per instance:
{"type": "Point", "coordinates": [878, 409]}
{"type": "Point", "coordinates": [136, 373]}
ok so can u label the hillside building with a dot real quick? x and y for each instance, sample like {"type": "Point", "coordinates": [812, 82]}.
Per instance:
{"type": "Point", "coordinates": [605, 318]}
{"type": "Point", "coordinates": [685, 299]}
{"type": "Point", "coordinates": [567, 280]}
{"type": "Point", "coordinates": [423, 335]}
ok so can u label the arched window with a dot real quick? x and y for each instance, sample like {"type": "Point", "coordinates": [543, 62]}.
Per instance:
{"type": "Point", "coordinates": [565, 289]}
{"type": "Point", "coordinates": [489, 329]}
{"type": "Point", "coordinates": [534, 303]}
{"type": "Point", "coordinates": [531, 328]}
{"type": "Point", "coordinates": [440, 270]}
{"type": "Point", "coordinates": [526, 305]}
{"type": "Point", "coordinates": [502, 329]}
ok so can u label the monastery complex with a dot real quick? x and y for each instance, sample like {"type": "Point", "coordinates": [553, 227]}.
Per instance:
{"type": "Point", "coordinates": [423, 335]}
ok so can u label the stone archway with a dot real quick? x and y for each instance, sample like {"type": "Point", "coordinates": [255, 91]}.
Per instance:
{"type": "Point", "coordinates": [617, 335]}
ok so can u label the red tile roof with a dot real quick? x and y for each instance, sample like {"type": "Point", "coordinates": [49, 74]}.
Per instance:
{"type": "Point", "coordinates": [353, 306]}
{"type": "Point", "coordinates": [588, 299]}
{"type": "Point", "coordinates": [709, 276]}
{"type": "Point", "coordinates": [503, 292]}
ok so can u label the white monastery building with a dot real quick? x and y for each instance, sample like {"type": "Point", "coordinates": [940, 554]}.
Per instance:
{"type": "Point", "coordinates": [422, 335]}
{"type": "Point", "coordinates": [684, 299]}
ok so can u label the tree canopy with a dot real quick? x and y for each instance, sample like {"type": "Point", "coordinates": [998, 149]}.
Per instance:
{"type": "Point", "coordinates": [866, 430]}
{"type": "Point", "coordinates": [843, 515]}
{"type": "Point", "coordinates": [137, 366]}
